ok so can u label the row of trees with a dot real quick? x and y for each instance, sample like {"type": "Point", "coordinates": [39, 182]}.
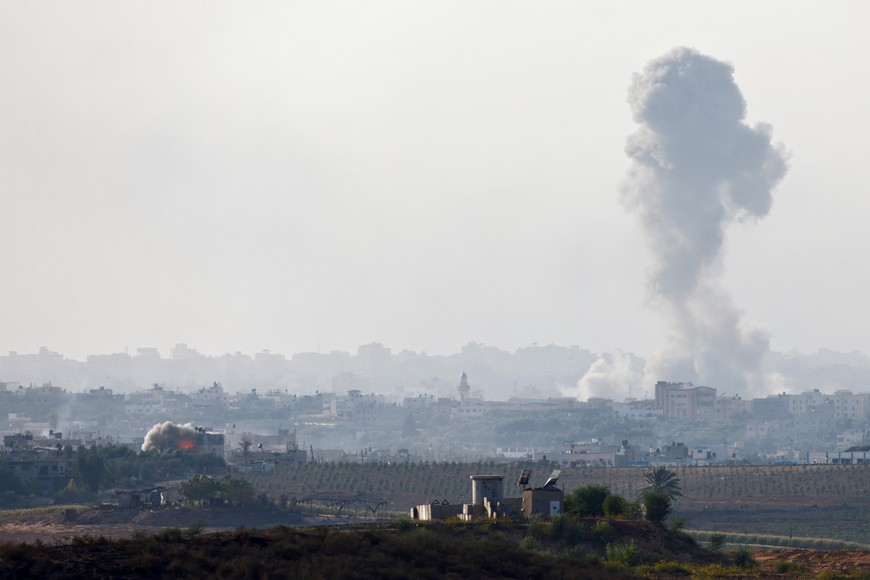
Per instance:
{"type": "Point", "coordinates": [103, 467]}
{"type": "Point", "coordinates": [202, 489]}
{"type": "Point", "coordinates": [654, 500]}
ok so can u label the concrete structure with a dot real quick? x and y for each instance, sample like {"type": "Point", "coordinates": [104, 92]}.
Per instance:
{"type": "Point", "coordinates": [728, 406]}
{"type": "Point", "coordinates": [807, 402]}
{"type": "Point", "coordinates": [435, 511]}
{"type": "Point", "coordinates": [208, 441]}
{"type": "Point", "coordinates": [684, 401]}
{"type": "Point", "coordinates": [490, 487]}
{"type": "Point", "coordinates": [137, 499]}
{"type": "Point", "coordinates": [851, 406]}
{"type": "Point", "coordinates": [488, 501]}
{"type": "Point", "coordinates": [42, 472]}
{"type": "Point", "coordinates": [546, 500]}
{"type": "Point", "coordinates": [464, 390]}
{"type": "Point", "coordinates": [859, 456]}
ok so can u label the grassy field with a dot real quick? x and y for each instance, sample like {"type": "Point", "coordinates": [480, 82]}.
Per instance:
{"type": "Point", "coordinates": [40, 511]}
{"type": "Point", "coordinates": [846, 523]}
{"type": "Point", "coordinates": [736, 541]}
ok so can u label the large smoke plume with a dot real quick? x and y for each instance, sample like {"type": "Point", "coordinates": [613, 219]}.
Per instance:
{"type": "Point", "coordinates": [167, 435]}
{"type": "Point", "coordinates": [696, 168]}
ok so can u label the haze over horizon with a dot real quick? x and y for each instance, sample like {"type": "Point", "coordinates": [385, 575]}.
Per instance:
{"type": "Point", "coordinates": [295, 178]}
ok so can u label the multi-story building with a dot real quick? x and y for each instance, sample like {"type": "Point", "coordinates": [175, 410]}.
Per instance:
{"type": "Point", "coordinates": [42, 471]}
{"type": "Point", "coordinates": [807, 402]}
{"type": "Point", "coordinates": [849, 405]}
{"type": "Point", "coordinates": [728, 406]}
{"type": "Point", "coordinates": [685, 401]}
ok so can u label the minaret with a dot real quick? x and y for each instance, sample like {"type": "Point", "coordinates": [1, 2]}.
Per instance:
{"type": "Point", "coordinates": [464, 389]}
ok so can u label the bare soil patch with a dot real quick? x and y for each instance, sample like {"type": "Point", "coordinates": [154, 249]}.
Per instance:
{"type": "Point", "coordinates": [816, 562]}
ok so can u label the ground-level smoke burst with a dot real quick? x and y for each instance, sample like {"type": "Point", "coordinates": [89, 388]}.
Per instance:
{"type": "Point", "coordinates": [167, 435]}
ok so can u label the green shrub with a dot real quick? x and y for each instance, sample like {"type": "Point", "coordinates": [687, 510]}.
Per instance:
{"type": "Point", "coordinates": [530, 543]}
{"type": "Point", "coordinates": [614, 505]}
{"type": "Point", "coordinates": [573, 533]}
{"type": "Point", "coordinates": [677, 523]}
{"type": "Point", "coordinates": [787, 567]}
{"type": "Point", "coordinates": [623, 553]}
{"type": "Point", "coordinates": [538, 527]}
{"type": "Point", "coordinates": [716, 541]}
{"type": "Point", "coordinates": [604, 531]}
{"type": "Point", "coordinates": [633, 510]}
{"type": "Point", "coordinates": [716, 571]}
{"type": "Point", "coordinates": [670, 568]}
{"type": "Point", "coordinates": [744, 559]}
{"type": "Point", "coordinates": [657, 506]}
{"type": "Point", "coordinates": [169, 535]}
{"type": "Point", "coordinates": [587, 500]}
{"type": "Point", "coordinates": [615, 567]}
{"type": "Point", "coordinates": [555, 527]}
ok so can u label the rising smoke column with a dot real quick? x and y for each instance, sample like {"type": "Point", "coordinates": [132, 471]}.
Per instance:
{"type": "Point", "coordinates": [697, 167]}
{"type": "Point", "coordinates": [168, 435]}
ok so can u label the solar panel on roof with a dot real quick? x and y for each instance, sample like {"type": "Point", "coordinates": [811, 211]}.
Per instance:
{"type": "Point", "coordinates": [524, 477]}
{"type": "Point", "coordinates": [554, 477]}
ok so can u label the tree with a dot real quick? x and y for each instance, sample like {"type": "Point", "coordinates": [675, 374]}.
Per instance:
{"type": "Point", "coordinates": [614, 505]}
{"type": "Point", "coordinates": [245, 444]}
{"type": "Point", "coordinates": [587, 500]}
{"type": "Point", "coordinates": [662, 480]}
{"type": "Point", "coordinates": [237, 491]}
{"type": "Point", "coordinates": [657, 505]}
{"type": "Point", "coordinates": [90, 467]}
{"type": "Point", "coordinates": [200, 488]}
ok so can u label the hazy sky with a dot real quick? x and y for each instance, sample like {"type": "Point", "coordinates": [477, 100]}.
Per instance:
{"type": "Point", "coordinates": [288, 176]}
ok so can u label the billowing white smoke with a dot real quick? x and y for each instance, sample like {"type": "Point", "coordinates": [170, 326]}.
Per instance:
{"type": "Point", "coordinates": [611, 376]}
{"type": "Point", "coordinates": [696, 168]}
{"type": "Point", "coordinates": [168, 435]}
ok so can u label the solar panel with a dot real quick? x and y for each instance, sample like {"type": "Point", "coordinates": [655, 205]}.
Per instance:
{"type": "Point", "coordinates": [554, 477]}
{"type": "Point", "coordinates": [524, 477]}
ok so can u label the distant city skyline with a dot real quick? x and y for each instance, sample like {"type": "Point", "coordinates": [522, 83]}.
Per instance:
{"type": "Point", "coordinates": [304, 177]}
{"type": "Point", "coordinates": [532, 371]}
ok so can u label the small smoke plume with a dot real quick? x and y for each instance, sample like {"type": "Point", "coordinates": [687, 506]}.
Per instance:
{"type": "Point", "coordinates": [167, 435]}
{"type": "Point", "coordinates": [612, 376]}
{"type": "Point", "coordinates": [697, 167]}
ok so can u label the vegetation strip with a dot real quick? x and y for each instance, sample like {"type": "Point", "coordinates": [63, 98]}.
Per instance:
{"type": "Point", "coordinates": [775, 541]}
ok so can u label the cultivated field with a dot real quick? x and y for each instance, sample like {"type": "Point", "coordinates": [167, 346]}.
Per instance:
{"type": "Point", "coordinates": [404, 485]}
{"type": "Point", "coordinates": [829, 501]}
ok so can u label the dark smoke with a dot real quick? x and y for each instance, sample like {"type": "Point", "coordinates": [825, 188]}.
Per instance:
{"type": "Point", "coordinates": [697, 167]}
{"type": "Point", "coordinates": [168, 435]}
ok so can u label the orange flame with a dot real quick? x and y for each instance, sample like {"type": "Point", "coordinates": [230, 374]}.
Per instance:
{"type": "Point", "coordinates": [186, 444]}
